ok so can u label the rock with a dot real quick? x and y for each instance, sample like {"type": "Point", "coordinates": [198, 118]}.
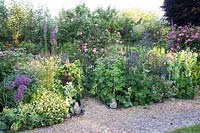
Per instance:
{"type": "Point", "coordinates": [113, 104]}
{"type": "Point", "coordinates": [172, 99]}
{"type": "Point", "coordinates": [146, 107]}
{"type": "Point", "coordinates": [77, 108]}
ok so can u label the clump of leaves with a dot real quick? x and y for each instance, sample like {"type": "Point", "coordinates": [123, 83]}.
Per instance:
{"type": "Point", "coordinates": [109, 81]}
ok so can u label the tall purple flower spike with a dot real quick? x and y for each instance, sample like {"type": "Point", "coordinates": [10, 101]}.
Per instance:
{"type": "Point", "coordinates": [52, 35]}
{"type": "Point", "coordinates": [45, 26]}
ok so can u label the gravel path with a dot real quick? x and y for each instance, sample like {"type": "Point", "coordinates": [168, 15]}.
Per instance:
{"type": "Point", "coordinates": [155, 118]}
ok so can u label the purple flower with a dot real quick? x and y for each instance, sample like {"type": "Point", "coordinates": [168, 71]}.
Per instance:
{"type": "Point", "coordinates": [22, 80]}
{"type": "Point", "coordinates": [22, 88]}
{"type": "Point", "coordinates": [195, 36]}
{"type": "Point", "coordinates": [52, 36]}
{"type": "Point", "coordinates": [19, 93]}
{"type": "Point", "coordinates": [10, 85]}
{"type": "Point", "coordinates": [178, 47]}
{"type": "Point", "coordinates": [172, 33]}
{"type": "Point", "coordinates": [163, 75]}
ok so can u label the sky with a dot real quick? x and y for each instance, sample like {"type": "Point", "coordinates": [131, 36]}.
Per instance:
{"type": "Point", "coordinates": [55, 5]}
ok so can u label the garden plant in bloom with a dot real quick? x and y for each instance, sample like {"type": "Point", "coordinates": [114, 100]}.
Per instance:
{"type": "Point", "coordinates": [183, 37]}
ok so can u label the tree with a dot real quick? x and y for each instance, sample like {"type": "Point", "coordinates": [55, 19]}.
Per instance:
{"type": "Point", "coordinates": [3, 18]}
{"type": "Point", "coordinates": [182, 12]}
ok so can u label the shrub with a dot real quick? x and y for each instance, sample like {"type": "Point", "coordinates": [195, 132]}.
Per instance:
{"type": "Point", "coordinates": [29, 47]}
{"type": "Point", "coordinates": [43, 70]}
{"type": "Point", "coordinates": [145, 79]}
{"type": "Point", "coordinates": [146, 28]}
{"type": "Point", "coordinates": [50, 106]}
{"type": "Point", "coordinates": [109, 81]}
{"type": "Point", "coordinates": [20, 118]}
{"type": "Point", "coordinates": [182, 12]}
{"type": "Point", "coordinates": [71, 73]}
{"type": "Point", "coordinates": [156, 60]}
{"type": "Point", "coordinates": [184, 37]}
{"type": "Point", "coordinates": [9, 61]}
{"type": "Point", "coordinates": [180, 70]}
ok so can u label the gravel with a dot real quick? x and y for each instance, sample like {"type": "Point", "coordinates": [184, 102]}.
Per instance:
{"type": "Point", "coordinates": [156, 118]}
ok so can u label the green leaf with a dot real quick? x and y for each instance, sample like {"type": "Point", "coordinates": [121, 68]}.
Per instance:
{"type": "Point", "coordinates": [3, 126]}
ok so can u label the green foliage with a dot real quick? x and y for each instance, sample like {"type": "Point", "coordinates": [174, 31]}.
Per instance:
{"type": "Point", "coordinates": [109, 81]}
{"type": "Point", "coordinates": [147, 88]}
{"type": "Point", "coordinates": [71, 73]}
{"type": "Point", "coordinates": [72, 95]}
{"type": "Point", "coordinates": [189, 129]}
{"type": "Point", "coordinates": [145, 79]}
{"type": "Point", "coordinates": [146, 28]}
{"type": "Point", "coordinates": [196, 73]}
{"type": "Point", "coordinates": [10, 60]}
{"type": "Point", "coordinates": [50, 106]}
{"type": "Point", "coordinates": [181, 71]}
{"type": "Point", "coordinates": [92, 32]}
{"type": "Point", "coordinates": [20, 118]}
{"type": "Point", "coordinates": [6, 98]}
{"type": "Point", "coordinates": [29, 47]}
{"type": "Point", "coordinates": [44, 70]}
{"type": "Point", "coordinates": [156, 58]}
{"type": "Point", "coordinates": [3, 18]}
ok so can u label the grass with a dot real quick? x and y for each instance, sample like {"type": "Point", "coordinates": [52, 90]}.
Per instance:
{"type": "Point", "coordinates": [189, 129]}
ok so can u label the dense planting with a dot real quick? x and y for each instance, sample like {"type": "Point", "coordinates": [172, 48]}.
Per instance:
{"type": "Point", "coordinates": [123, 58]}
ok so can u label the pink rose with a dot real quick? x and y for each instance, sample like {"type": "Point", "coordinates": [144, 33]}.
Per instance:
{"type": "Point", "coordinates": [178, 40]}
{"type": "Point", "coordinates": [94, 50]}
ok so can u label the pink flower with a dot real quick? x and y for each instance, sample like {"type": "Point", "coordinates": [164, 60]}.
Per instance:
{"type": "Point", "coordinates": [195, 37]}
{"type": "Point", "coordinates": [172, 49]}
{"type": "Point", "coordinates": [84, 47]}
{"type": "Point", "coordinates": [175, 25]}
{"type": "Point", "coordinates": [172, 33]}
{"type": "Point", "coordinates": [184, 31]}
{"type": "Point", "coordinates": [178, 40]}
{"type": "Point", "coordinates": [120, 52]}
{"type": "Point", "coordinates": [187, 36]}
{"type": "Point", "coordinates": [67, 61]}
{"type": "Point", "coordinates": [94, 50]}
{"type": "Point", "coordinates": [178, 47]}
